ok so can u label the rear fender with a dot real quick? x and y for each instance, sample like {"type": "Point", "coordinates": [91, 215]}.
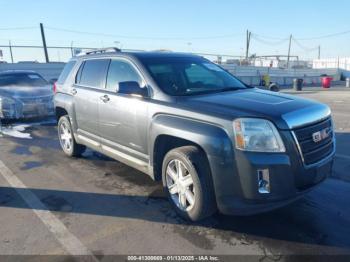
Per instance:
{"type": "Point", "coordinates": [66, 102]}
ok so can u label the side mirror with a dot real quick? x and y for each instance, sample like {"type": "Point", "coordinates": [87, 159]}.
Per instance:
{"type": "Point", "coordinates": [132, 88]}
{"type": "Point", "coordinates": [53, 80]}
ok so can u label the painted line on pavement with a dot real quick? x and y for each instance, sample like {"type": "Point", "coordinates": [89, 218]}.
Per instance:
{"type": "Point", "coordinates": [69, 241]}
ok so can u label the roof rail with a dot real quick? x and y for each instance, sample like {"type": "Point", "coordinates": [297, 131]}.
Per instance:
{"type": "Point", "coordinates": [100, 50]}
{"type": "Point", "coordinates": [162, 50]}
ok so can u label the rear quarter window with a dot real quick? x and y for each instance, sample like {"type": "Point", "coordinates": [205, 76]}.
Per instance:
{"type": "Point", "coordinates": [65, 72]}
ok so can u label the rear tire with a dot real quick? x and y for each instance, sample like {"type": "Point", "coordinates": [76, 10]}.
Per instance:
{"type": "Point", "coordinates": [188, 184]}
{"type": "Point", "coordinates": [66, 137]}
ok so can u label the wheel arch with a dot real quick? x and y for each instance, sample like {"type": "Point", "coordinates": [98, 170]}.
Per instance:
{"type": "Point", "coordinates": [168, 132]}
{"type": "Point", "coordinates": [64, 105]}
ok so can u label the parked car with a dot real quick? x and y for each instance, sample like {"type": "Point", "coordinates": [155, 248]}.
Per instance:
{"type": "Point", "coordinates": [214, 142]}
{"type": "Point", "coordinates": [25, 94]}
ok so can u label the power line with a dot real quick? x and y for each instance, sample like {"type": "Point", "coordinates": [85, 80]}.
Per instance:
{"type": "Point", "coordinates": [17, 28]}
{"type": "Point", "coordinates": [140, 37]}
{"type": "Point", "coordinates": [259, 39]}
{"type": "Point", "coordinates": [306, 49]}
{"type": "Point", "coordinates": [325, 36]}
{"type": "Point", "coordinates": [270, 37]}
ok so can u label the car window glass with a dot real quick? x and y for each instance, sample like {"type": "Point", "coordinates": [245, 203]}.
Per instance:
{"type": "Point", "coordinates": [182, 76]}
{"type": "Point", "coordinates": [66, 70]}
{"type": "Point", "coordinates": [93, 73]}
{"type": "Point", "coordinates": [22, 79]}
{"type": "Point", "coordinates": [200, 74]}
{"type": "Point", "coordinates": [121, 71]}
{"type": "Point", "coordinates": [78, 76]}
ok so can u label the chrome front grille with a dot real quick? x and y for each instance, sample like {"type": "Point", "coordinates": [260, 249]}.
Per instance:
{"type": "Point", "coordinates": [37, 100]}
{"type": "Point", "coordinates": [315, 142]}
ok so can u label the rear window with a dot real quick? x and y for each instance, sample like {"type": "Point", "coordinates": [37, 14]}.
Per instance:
{"type": "Point", "coordinates": [93, 73]}
{"type": "Point", "coordinates": [66, 70]}
{"type": "Point", "coordinates": [22, 79]}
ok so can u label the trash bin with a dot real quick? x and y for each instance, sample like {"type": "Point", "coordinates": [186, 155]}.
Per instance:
{"type": "Point", "coordinates": [327, 81]}
{"type": "Point", "coordinates": [274, 87]}
{"type": "Point", "coordinates": [348, 82]}
{"type": "Point", "coordinates": [298, 84]}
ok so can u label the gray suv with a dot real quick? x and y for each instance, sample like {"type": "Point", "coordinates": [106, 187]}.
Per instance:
{"type": "Point", "coordinates": [214, 142]}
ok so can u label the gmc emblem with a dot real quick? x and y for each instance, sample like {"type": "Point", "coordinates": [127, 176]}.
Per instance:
{"type": "Point", "coordinates": [321, 135]}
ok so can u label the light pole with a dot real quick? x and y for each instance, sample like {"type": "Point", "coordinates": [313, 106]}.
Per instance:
{"type": "Point", "coordinates": [118, 43]}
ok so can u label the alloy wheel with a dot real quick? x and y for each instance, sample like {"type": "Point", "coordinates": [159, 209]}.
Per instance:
{"type": "Point", "coordinates": [180, 185]}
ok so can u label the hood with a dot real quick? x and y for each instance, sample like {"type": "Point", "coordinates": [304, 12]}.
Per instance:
{"type": "Point", "coordinates": [19, 92]}
{"type": "Point", "coordinates": [286, 111]}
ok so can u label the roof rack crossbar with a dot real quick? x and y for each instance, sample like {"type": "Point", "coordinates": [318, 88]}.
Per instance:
{"type": "Point", "coordinates": [102, 50]}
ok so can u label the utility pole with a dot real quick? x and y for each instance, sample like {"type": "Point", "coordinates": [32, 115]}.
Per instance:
{"type": "Point", "coordinates": [248, 45]}
{"type": "Point", "coordinates": [10, 46]}
{"type": "Point", "coordinates": [44, 43]}
{"type": "Point", "coordinates": [290, 45]}
{"type": "Point", "coordinates": [319, 52]}
{"type": "Point", "coordinates": [71, 48]}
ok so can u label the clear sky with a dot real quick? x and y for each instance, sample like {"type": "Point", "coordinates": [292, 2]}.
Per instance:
{"type": "Point", "coordinates": [210, 26]}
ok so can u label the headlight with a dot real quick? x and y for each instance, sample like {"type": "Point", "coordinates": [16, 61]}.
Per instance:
{"type": "Point", "coordinates": [258, 135]}
{"type": "Point", "coordinates": [7, 106]}
{"type": "Point", "coordinates": [5, 102]}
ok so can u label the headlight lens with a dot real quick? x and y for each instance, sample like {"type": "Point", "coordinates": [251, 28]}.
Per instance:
{"type": "Point", "coordinates": [5, 101]}
{"type": "Point", "coordinates": [7, 106]}
{"type": "Point", "coordinates": [258, 135]}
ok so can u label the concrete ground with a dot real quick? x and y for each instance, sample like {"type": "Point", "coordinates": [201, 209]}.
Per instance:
{"type": "Point", "coordinates": [53, 205]}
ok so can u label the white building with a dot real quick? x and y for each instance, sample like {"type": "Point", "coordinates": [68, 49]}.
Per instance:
{"type": "Point", "coordinates": [340, 63]}
{"type": "Point", "coordinates": [277, 63]}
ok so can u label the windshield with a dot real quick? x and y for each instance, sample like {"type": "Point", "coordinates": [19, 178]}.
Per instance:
{"type": "Point", "coordinates": [179, 76]}
{"type": "Point", "coordinates": [22, 79]}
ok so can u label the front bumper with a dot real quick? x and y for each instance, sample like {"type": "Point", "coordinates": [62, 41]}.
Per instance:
{"type": "Point", "coordinates": [22, 110]}
{"type": "Point", "coordinates": [236, 182]}
{"type": "Point", "coordinates": [283, 184]}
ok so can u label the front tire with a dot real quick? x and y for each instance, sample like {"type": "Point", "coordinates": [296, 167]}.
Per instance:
{"type": "Point", "coordinates": [67, 141]}
{"type": "Point", "coordinates": [188, 184]}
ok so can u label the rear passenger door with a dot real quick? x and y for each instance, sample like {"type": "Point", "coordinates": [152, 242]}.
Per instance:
{"type": "Point", "coordinates": [124, 118]}
{"type": "Point", "coordinates": [89, 87]}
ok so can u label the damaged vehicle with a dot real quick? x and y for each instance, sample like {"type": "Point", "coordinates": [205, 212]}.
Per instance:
{"type": "Point", "coordinates": [25, 94]}
{"type": "Point", "coordinates": [214, 142]}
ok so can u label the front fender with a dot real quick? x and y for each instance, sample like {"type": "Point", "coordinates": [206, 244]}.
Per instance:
{"type": "Point", "coordinates": [212, 139]}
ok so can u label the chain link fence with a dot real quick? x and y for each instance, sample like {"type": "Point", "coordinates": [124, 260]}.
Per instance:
{"type": "Point", "coordinates": [32, 53]}
{"type": "Point", "coordinates": [35, 53]}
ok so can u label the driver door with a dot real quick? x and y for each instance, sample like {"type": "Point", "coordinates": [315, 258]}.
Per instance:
{"type": "Point", "coordinates": [123, 119]}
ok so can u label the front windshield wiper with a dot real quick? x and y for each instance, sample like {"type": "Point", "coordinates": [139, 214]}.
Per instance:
{"type": "Point", "coordinates": [231, 88]}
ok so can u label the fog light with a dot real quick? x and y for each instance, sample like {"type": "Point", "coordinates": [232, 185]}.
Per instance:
{"type": "Point", "coordinates": [264, 181]}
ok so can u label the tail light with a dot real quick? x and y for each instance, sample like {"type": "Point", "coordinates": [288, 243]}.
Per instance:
{"type": "Point", "coordinates": [54, 88]}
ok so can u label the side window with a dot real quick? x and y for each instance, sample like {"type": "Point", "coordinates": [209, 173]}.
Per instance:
{"type": "Point", "coordinates": [78, 76]}
{"type": "Point", "coordinates": [66, 70]}
{"type": "Point", "coordinates": [121, 71]}
{"type": "Point", "coordinates": [93, 73]}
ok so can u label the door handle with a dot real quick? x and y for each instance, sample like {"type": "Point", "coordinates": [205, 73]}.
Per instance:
{"type": "Point", "coordinates": [105, 98]}
{"type": "Point", "coordinates": [74, 91]}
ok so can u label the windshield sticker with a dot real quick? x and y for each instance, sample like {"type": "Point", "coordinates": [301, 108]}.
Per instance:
{"type": "Point", "coordinates": [213, 67]}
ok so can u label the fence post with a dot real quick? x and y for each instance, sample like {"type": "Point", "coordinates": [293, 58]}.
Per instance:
{"type": "Point", "coordinates": [10, 46]}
